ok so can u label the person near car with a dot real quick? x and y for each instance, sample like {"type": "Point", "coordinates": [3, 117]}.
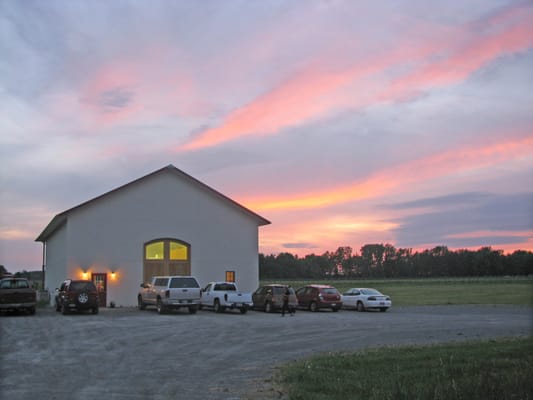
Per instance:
{"type": "Point", "coordinates": [285, 306]}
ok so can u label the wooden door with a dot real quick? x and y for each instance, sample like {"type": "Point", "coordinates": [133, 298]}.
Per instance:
{"type": "Point", "coordinates": [100, 281]}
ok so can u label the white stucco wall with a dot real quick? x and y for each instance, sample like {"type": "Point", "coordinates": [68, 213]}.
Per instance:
{"type": "Point", "coordinates": [56, 260]}
{"type": "Point", "coordinates": [109, 235]}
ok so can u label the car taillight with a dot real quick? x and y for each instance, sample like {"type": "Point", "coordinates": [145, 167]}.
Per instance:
{"type": "Point", "coordinates": [372, 298]}
{"type": "Point", "coordinates": [167, 293]}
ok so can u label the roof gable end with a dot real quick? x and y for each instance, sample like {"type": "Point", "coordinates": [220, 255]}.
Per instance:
{"type": "Point", "coordinates": [61, 218]}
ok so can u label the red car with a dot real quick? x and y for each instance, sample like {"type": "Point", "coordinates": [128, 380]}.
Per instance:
{"type": "Point", "coordinates": [315, 297]}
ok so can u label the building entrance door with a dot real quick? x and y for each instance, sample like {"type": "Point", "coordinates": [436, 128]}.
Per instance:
{"type": "Point", "coordinates": [100, 281]}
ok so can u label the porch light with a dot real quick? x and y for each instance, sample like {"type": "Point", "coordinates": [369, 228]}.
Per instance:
{"type": "Point", "coordinates": [113, 275]}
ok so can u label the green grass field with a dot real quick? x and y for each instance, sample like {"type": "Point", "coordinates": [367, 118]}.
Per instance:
{"type": "Point", "coordinates": [441, 291]}
{"type": "Point", "coordinates": [484, 370]}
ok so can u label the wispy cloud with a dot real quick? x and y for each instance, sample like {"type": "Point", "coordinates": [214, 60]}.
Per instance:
{"type": "Point", "coordinates": [310, 94]}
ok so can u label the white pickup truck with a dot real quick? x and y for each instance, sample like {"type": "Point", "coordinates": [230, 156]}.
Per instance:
{"type": "Point", "coordinates": [223, 295]}
{"type": "Point", "coordinates": [170, 292]}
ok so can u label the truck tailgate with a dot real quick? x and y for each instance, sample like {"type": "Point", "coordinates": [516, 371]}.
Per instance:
{"type": "Point", "coordinates": [184, 294]}
{"type": "Point", "coordinates": [239, 297]}
{"type": "Point", "coordinates": [17, 296]}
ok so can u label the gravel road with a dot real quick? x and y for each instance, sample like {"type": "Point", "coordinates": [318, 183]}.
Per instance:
{"type": "Point", "coordinates": [129, 354]}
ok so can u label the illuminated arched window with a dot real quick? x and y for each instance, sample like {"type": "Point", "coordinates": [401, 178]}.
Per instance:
{"type": "Point", "coordinates": [166, 257]}
{"type": "Point", "coordinates": [155, 251]}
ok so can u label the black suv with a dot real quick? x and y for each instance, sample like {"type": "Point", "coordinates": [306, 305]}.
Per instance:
{"type": "Point", "coordinates": [78, 296]}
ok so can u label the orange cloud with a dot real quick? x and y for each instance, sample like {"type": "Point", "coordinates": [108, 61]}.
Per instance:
{"type": "Point", "coordinates": [324, 234]}
{"type": "Point", "coordinates": [15, 234]}
{"type": "Point", "coordinates": [401, 176]}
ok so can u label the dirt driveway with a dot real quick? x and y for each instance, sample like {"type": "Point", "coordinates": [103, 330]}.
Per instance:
{"type": "Point", "coordinates": [130, 354]}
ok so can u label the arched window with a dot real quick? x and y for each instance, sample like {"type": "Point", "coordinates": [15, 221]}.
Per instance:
{"type": "Point", "coordinates": [166, 257]}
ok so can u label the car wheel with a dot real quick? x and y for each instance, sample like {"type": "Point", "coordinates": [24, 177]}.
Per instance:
{"type": "Point", "coordinates": [140, 303]}
{"type": "Point", "coordinates": [95, 310]}
{"type": "Point", "coordinates": [160, 307]}
{"type": "Point", "coordinates": [243, 310]}
{"type": "Point", "coordinates": [360, 306]}
{"type": "Point", "coordinates": [313, 307]}
{"type": "Point", "coordinates": [383, 309]}
{"type": "Point", "coordinates": [268, 307]}
{"type": "Point", "coordinates": [193, 309]}
{"type": "Point", "coordinates": [218, 307]}
{"type": "Point", "coordinates": [64, 309]}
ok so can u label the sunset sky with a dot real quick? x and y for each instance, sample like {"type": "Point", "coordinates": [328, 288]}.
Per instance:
{"type": "Point", "coordinates": [344, 123]}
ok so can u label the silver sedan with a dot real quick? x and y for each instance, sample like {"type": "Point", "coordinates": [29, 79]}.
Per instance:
{"type": "Point", "coordinates": [362, 299]}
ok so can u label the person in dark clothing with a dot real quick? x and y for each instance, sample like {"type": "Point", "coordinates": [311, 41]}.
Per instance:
{"type": "Point", "coordinates": [285, 306]}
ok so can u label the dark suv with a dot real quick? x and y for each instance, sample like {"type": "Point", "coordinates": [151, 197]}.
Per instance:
{"type": "Point", "coordinates": [270, 298]}
{"type": "Point", "coordinates": [314, 297]}
{"type": "Point", "coordinates": [77, 296]}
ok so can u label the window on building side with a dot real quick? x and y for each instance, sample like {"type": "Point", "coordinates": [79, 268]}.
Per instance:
{"type": "Point", "coordinates": [230, 276]}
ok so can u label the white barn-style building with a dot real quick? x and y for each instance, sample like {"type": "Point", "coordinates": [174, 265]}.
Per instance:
{"type": "Point", "coordinates": [165, 223]}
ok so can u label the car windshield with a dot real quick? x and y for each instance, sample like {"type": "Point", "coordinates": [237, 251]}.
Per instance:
{"type": "Point", "coordinates": [329, 291]}
{"type": "Point", "coordinates": [82, 286]}
{"type": "Point", "coordinates": [370, 291]}
{"type": "Point", "coordinates": [14, 284]}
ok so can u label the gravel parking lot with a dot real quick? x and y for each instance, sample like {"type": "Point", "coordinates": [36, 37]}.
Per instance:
{"type": "Point", "coordinates": [129, 354]}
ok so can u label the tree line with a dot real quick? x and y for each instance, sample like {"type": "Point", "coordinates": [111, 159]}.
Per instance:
{"type": "Point", "coordinates": [386, 261]}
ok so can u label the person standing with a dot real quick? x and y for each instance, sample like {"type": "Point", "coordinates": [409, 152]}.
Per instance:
{"type": "Point", "coordinates": [285, 305]}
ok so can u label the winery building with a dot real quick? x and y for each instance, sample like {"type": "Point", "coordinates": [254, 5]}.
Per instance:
{"type": "Point", "coordinates": [165, 223]}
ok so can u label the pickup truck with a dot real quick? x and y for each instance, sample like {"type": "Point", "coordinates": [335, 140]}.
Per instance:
{"type": "Point", "coordinates": [170, 292]}
{"type": "Point", "coordinates": [16, 294]}
{"type": "Point", "coordinates": [223, 295]}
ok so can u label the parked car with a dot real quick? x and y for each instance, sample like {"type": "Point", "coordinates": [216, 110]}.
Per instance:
{"type": "Point", "coordinates": [362, 299]}
{"type": "Point", "coordinates": [315, 297]}
{"type": "Point", "coordinates": [76, 295]}
{"type": "Point", "coordinates": [224, 295]}
{"type": "Point", "coordinates": [270, 298]}
{"type": "Point", "coordinates": [16, 294]}
{"type": "Point", "coordinates": [170, 292]}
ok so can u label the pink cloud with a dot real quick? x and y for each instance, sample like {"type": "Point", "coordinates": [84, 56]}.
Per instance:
{"type": "Point", "coordinates": [313, 93]}
{"type": "Point", "coordinates": [463, 60]}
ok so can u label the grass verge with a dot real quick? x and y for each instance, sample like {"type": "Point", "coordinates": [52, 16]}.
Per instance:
{"type": "Point", "coordinates": [486, 370]}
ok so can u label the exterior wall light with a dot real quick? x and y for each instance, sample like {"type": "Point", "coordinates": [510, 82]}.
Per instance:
{"type": "Point", "coordinates": [84, 274]}
{"type": "Point", "coordinates": [113, 275]}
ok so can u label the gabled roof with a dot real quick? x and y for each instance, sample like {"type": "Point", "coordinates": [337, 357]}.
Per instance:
{"type": "Point", "coordinates": [61, 218]}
